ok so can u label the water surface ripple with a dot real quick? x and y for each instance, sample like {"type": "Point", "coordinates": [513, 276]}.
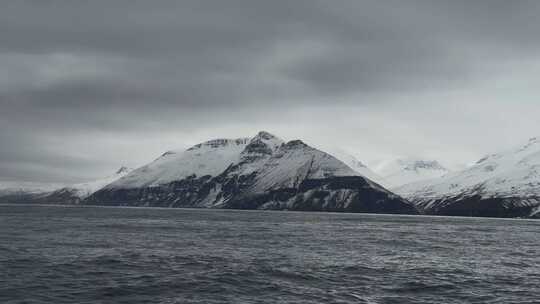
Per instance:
{"type": "Point", "coordinates": [52, 254]}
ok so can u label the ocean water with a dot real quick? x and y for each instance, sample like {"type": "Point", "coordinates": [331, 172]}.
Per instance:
{"type": "Point", "coordinates": [51, 254]}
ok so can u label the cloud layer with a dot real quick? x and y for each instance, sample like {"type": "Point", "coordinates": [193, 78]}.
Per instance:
{"type": "Point", "coordinates": [87, 86]}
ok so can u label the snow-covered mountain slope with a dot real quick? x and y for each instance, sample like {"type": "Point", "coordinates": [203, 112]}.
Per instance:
{"type": "Point", "coordinates": [289, 165]}
{"type": "Point", "coordinates": [506, 183]}
{"type": "Point", "coordinates": [355, 164]}
{"type": "Point", "coordinates": [208, 158]}
{"type": "Point", "coordinates": [261, 172]}
{"type": "Point", "coordinates": [55, 192]}
{"type": "Point", "coordinates": [78, 192]}
{"type": "Point", "coordinates": [404, 171]}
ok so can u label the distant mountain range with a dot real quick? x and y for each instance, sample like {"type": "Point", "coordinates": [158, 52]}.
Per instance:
{"type": "Point", "coordinates": [264, 172]}
{"type": "Point", "coordinates": [505, 184]}
{"type": "Point", "coordinates": [55, 193]}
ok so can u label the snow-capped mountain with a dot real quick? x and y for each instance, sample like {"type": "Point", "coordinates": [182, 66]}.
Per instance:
{"type": "Point", "coordinates": [262, 172]}
{"type": "Point", "coordinates": [502, 184]}
{"type": "Point", "coordinates": [355, 164]}
{"type": "Point", "coordinates": [407, 170]}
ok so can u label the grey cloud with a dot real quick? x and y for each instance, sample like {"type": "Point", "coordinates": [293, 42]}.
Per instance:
{"type": "Point", "coordinates": [30, 157]}
{"type": "Point", "coordinates": [123, 67]}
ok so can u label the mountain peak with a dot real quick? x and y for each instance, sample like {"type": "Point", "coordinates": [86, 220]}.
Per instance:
{"type": "Point", "coordinates": [267, 138]}
{"type": "Point", "coordinates": [122, 170]}
{"type": "Point", "coordinates": [262, 144]}
{"type": "Point", "coordinates": [297, 143]}
{"type": "Point", "coordinates": [265, 135]}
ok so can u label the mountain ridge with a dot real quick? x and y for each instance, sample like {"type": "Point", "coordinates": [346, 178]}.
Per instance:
{"type": "Point", "coordinates": [265, 172]}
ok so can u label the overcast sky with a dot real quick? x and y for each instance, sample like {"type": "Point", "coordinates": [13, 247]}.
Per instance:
{"type": "Point", "coordinates": [87, 86]}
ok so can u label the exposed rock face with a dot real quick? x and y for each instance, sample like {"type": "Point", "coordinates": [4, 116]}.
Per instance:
{"type": "Point", "coordinates": [505, 184]}
{"type": "Point", "coordinates": [258, 173]}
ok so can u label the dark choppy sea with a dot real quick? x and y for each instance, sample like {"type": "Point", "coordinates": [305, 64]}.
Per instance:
{"type": "Point", "coordinates": [55, 255]}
